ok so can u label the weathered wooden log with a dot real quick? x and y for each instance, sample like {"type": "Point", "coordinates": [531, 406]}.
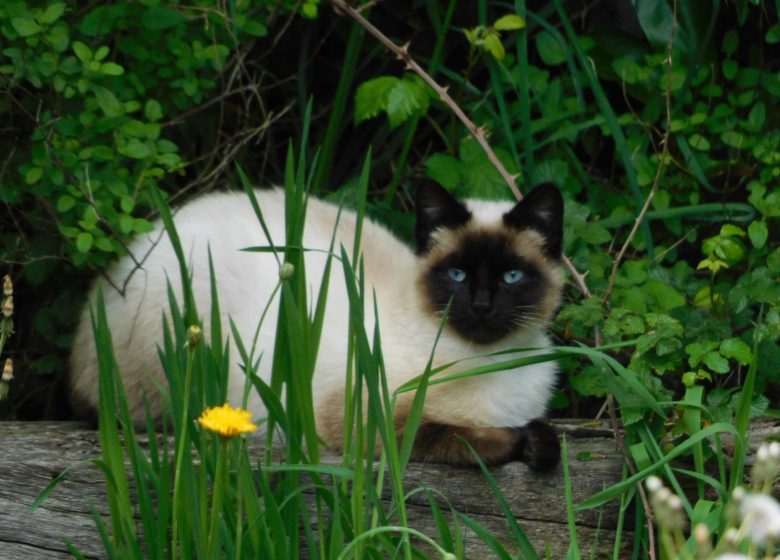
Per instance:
{"type": "Point", "coordinates": [34, 453]}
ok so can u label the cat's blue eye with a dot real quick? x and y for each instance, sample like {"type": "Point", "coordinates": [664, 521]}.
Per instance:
{"type": "Point", "coordinates": [456, 274]}
{"type": "Point", "coordinates": [513, 276]}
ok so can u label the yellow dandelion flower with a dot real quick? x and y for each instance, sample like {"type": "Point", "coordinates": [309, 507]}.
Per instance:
{"type": "Point", "coordinates": [227, 421]}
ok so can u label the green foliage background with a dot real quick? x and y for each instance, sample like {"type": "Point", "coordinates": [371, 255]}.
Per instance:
{"type": "Point", "coordinates": [100, 104]}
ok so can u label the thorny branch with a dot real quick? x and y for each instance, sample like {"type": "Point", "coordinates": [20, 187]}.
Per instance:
{"type": "Point", "coordinates": [478, 132]}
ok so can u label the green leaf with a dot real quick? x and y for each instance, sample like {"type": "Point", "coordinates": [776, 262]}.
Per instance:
{"type": "Point", "coordinates": [716, 362]}
{"type": "Point", "coordinates": [730, 69]}
{"type": "Point", "coordinates": [737, 349]}
{"type": "Point", "coordinates": [445, 170]}
{"type": "Point", "coordinates": [65, 203]}
{"type": "Point", "coordinates": [254, 28]}
{"type": "Point", "coordinates": [141, 225]}
{"type": "Point", "coordinates": [126, 223]}
{"type": "Point", "coordinates": [101, 53]}
{"type": "Point", "coordinates": [757, 117]}
{"type": "Point", "coordinates": [52, 13]}
{"type": "Point", "coordinates": [405, 99]}
{"type": "Point", "coordinates": [159, 18]}
{"type": "Point", "coordinates": [371, 97]}
{"type": "Point", "coordinates": [730, 41]}
{"type": "Point", "coordinates": [773, 34]}
{"type": "Point", "coordinates": [758, 233]}
{"type": "Point", "coordinates": [84, 241]}
{"type": "Point", "coordinates": [699, 142]}
{"type": "Point", "coordinates": [550, 48]}
{"type": "Point", "coordinates": [730, 230]}
{"type": "Point", "coordinates": [111, 69]}
{"type": "Point", "coordinates": [82, 51]}
{"type": "Point", "coordinates": [33, 175]}
{"type": "Point", "coordinates": [136, 150]}
{"type": "Point", "coordinates": [494, 46]}
{"type": "Point", "coordinates": [107, 101]}
{"type": "Point", "coordinates": [309, 10]}
{"type": "Point", "coordinates": [509, 22]}
{"type": "Point", "coordinates": [25, 27]}
{"type": "Point", "coordinates": [153, 110]}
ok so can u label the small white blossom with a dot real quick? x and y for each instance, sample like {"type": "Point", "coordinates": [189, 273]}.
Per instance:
{"type": "Point", "coordinates": [653, 484]}
{"type": "Point", "coordinates": [761, 518]}
{"type": "Point", "coordinates": [733, 556]}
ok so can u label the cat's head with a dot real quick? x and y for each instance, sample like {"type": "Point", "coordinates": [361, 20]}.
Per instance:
{"type": "Point", "coordinates": [499, 263]}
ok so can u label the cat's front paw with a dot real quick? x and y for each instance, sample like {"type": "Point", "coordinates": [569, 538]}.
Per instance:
{"type": "Point", "coordinates": [538, 446]}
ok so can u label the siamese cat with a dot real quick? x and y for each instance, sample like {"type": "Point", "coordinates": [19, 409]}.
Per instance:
{"type": "Point", "coordinates": [497, 265]}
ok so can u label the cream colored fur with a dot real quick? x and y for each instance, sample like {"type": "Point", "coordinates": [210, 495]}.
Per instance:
{"type": "Point", "coordinates": [226, 224]}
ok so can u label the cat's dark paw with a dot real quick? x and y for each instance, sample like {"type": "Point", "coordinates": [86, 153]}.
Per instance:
{"type": "Point", "coordinates": [538, 446]}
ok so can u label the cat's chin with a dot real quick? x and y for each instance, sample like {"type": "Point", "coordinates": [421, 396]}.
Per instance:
{"type": "Point", "coordinates": [488, 337]}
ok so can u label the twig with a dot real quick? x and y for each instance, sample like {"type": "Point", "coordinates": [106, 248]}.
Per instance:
{"type": "Point", "coordinates": [658, 173]}
{"type": "Point", "coordinates": [478, 132]}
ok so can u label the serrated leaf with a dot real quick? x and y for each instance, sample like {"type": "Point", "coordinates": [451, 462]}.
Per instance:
{"type": "Point", "coordinates": [402, 102]}
{"type": "Point", "coordinates": [25, 27]}
{"type": "Point", "coordinates": [737, 349]}
{"type": "Point", "coordinates": [82, 51]}
{"type": "Point", "coordinates": [758, 233]}
{"type": "Point", "coordinates": [445, 170]}
{"type": "Point", "coordinates": [84, 241]}
{"type": "Point", "coordinates": [509, 22]}
{"type": "Point", "coordinates": [52, 13]}
{"type": "Point", "coordinates": [371, 97]}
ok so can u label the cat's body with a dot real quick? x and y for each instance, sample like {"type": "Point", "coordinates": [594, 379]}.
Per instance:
{"type": "Point", "coordinates": [487, 410]}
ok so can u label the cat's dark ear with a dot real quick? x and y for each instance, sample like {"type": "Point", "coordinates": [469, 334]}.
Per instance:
{"type": "Point", "coordinates": [541, 210]}
{"type": "Point", "coordinates": [436, 208]}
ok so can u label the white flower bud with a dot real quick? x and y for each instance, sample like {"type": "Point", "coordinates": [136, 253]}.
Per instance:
{"type": "Point", "coordinates": [286, 271]}
{"type": "Point", "coordinates": [653, 484]}
{"type": "Point", "coordinates": [8, 370]}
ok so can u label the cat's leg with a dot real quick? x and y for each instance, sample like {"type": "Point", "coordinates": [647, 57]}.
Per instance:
{"type": "Point", "coordinates": [535, 444]}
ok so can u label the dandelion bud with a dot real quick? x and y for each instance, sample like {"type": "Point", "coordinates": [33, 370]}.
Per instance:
{"type": "Point", "coordinates": [286, 271]}
{"type": "Point", "coordinates": [194, 336]}
{"type": "Point", "coordinates": [8, 306]}
{"type": "Point", "coordinates": [8, 370]}
{"type": "Point", "coordinates": [8, 287]}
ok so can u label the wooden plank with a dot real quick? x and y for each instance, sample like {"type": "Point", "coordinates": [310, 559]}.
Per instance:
{"type": "Point", "coordinates": [33, 454]}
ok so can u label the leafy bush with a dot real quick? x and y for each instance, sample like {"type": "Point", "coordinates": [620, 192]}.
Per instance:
{"type": "Point", "coordinates": [671, 106]}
